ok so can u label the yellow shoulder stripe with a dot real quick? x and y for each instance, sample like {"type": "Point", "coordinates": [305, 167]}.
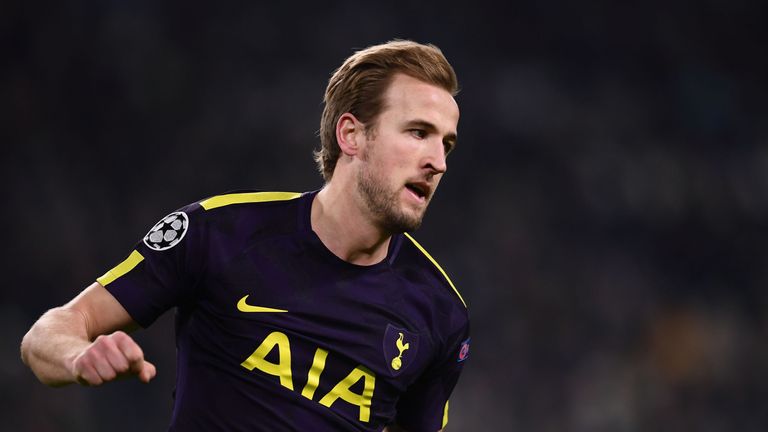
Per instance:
{"type": "Point", "coordinates": [246, 197]}
{"type": "Point", "coordinates": [445, 415]}
{"type": "Point", "coordinates": [438, 267]}
{"type": "Point", "coordinates": [124, 267]}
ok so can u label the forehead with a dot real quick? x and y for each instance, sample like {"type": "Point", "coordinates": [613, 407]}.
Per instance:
{"type": "Point", "coordinates": [408, 98]}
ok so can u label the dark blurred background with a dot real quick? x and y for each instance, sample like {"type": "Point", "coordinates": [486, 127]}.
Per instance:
{"type": "Point", "coordinates": [604, 214]}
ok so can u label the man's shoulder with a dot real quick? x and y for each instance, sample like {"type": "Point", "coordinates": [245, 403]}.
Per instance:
{"type": "Point", "coordinates": [239, 203]}
{"type": "Point", "coordinates": [244, 211]}
{"type": "Point", "coordinates": [419, 265]}
{"type": "Point", "coordinates": [245, 199]}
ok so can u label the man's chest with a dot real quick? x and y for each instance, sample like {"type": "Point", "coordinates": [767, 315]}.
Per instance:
{"type": "Point", "coordinates": [349, 339]}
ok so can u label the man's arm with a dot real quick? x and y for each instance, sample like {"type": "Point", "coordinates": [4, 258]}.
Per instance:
{"type": "Point", "coordinates": [83, 342]}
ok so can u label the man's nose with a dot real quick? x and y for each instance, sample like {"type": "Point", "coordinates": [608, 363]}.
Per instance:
{"type": "Point", "coordinates": [435, 157]}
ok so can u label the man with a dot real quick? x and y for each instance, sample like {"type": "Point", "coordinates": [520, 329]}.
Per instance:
{"type": "Point", "coordinates": [299, 312]}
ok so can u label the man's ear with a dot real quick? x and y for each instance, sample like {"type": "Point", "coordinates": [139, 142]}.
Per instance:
{"type": "Point", "coordinates": [349, 132]}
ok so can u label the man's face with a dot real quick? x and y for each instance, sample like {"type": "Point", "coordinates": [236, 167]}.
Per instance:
{"type": "Point", "coordinates": [403, 159]}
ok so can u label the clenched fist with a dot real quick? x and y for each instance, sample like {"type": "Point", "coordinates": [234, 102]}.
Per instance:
{"type": "Point", "coordinates": [109, 357]}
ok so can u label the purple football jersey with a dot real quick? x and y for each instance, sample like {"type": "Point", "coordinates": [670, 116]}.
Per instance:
{"type": "Point", "coordinates": [276, 333]}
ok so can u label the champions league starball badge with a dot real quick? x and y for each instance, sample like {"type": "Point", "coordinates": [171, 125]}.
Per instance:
{"type": "Point", "coordinates": [168, 232]}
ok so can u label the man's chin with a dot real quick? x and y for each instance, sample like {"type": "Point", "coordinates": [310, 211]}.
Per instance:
{"type": "Point", "coordinates": [405, 221]}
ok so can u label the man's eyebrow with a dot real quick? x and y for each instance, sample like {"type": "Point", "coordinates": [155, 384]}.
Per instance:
{"type": "Point", "coordinates": [429, 127]}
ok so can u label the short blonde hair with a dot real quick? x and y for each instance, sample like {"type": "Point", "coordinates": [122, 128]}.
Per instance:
{"type": "Point", "coordinates": [358, 87]}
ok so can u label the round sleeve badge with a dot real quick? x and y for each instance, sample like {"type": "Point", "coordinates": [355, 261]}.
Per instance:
{"type": "Point", "coordinates": [464, 350]}
{"type": "Point", "coordinates": [168, 232]}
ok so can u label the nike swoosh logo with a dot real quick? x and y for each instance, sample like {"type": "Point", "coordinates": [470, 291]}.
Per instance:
{"type": "Point", "coordinates": [242, 306]}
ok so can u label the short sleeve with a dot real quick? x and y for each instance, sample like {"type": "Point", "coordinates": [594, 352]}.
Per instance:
{"type": "Point", "coordinates": [162, 270]}
{"type": "Point", "coordinates": [424, 406]}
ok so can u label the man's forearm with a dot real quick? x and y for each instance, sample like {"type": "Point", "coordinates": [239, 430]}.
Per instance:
{"type": "Point", "coordinates": [83, 341]}
{"type": "Point", "coordinates": [51, 345]}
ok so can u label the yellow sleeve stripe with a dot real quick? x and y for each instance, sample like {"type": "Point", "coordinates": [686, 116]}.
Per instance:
{"type": "Point", "coordinates": [124, 267]}
{"type": "Point", "coordinates": [246, 197]}
{"type": "Point", "coordinates": [438, 267]}
{"type": "Point", "coordinates": [445, 415]}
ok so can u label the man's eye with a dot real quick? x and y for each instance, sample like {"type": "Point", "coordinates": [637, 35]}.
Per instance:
{"type": "Point", "coordinates": [419, 133]}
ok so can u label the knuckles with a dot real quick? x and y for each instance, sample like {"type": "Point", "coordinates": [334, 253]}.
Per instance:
{"type": "Point", "coordinates": [105, 358]}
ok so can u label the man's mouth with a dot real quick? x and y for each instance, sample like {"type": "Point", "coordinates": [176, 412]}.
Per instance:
{"type": "Point", "coordinates": [420, 189]}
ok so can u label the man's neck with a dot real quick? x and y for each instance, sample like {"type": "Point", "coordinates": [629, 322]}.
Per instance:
{"type": "Point", "coordinates": [345, 228]}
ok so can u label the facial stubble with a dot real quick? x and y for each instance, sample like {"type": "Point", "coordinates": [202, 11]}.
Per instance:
{"type": "Point", "coordinates": [382, 202]}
